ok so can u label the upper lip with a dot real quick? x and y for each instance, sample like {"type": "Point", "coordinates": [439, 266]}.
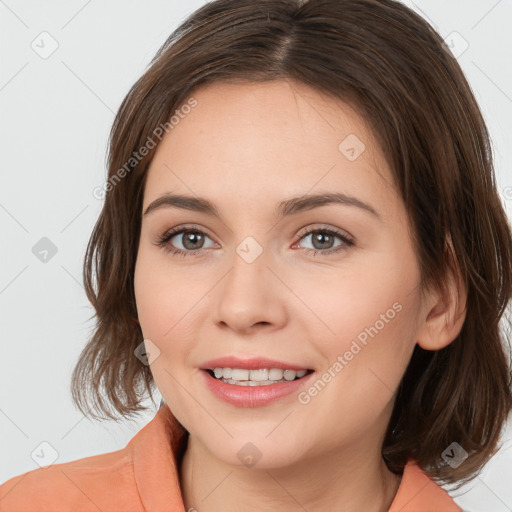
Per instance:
{"type": "Point", "coordinates": [252, 363]}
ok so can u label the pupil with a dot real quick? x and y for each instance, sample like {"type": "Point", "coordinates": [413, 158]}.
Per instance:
{"type": "Point", "coordinates": [321, 238]}
{"type": "Point", "coordinates": [190, 237]}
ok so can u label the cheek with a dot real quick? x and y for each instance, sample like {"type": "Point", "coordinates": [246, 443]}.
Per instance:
{"type": "Point", "coordinates": [383, 342]}
{"type": "Point", "coordinates": [372, 316]}
{"type": "Point", "coordinates": [370, 291]}
{"type": "Point", "coordinates": [356, 388]}
{"type": "Point", "coordinates": [373, 341]}
{"type": "Point", "coordinates": [159, 294]}
{"type": "Point", "coordinates": [170, 307]}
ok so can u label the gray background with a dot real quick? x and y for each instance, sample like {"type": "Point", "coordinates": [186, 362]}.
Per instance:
{"type": "Point", "coordinates": [56, 114]}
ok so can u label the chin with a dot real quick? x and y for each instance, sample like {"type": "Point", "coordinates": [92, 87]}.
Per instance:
{"type": "Point", "coordinates": [258, 451]}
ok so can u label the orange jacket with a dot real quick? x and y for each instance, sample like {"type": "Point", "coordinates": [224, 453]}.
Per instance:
{"type": "Point", "coordinates": [143, 477]}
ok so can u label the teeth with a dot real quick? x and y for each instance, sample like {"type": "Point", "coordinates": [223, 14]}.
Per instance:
{"type": "Point", "coordinates": [238, 374]}
{"type": "Point", "coordinates": [275, 374]}
{"type": "Point", "coordinates": [250, 382]}
{"type": "Point", "coordinates": [289, 374]}
{"type": "Point", "coordinates": [260, 376]}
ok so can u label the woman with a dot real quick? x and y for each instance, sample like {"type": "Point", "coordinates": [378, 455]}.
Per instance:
{"type": "Point", "coordinates": [303, 248]}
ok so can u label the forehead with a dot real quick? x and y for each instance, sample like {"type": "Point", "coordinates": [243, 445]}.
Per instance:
{"type": "Point", "coordinates": [267, 140]}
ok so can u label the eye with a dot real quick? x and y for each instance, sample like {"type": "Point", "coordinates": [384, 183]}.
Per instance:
{"type": "Point", "coordinates": [191, 240]}
{"type": "Point", "coordinates": [323, 239]}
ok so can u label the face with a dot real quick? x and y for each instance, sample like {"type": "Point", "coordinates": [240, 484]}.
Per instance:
{"type": "Point", "coordinates": [331, 287]}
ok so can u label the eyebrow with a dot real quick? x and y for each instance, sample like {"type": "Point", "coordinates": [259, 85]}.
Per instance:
{"type": "Point", "coordinates": [285, 208]}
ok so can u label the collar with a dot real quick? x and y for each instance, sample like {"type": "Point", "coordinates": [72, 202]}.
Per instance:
{"type": "Point", "coordinates": [157, 452]}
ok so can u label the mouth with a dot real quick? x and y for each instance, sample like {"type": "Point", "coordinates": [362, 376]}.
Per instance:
{"type": "Point", "coordinates": [254, 382]}
{"type": "Point", "coordinates": [256, 376]}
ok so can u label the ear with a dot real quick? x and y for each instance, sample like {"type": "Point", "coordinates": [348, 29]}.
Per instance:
{"type": "Point", "coordinates": [443, 315]}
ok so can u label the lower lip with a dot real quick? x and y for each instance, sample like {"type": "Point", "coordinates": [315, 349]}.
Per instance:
{"type": "Point", "coordinates": [253, 396]}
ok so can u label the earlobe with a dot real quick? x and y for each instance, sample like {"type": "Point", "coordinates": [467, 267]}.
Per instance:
{"type": "Point", "coordinates": [445, 312]}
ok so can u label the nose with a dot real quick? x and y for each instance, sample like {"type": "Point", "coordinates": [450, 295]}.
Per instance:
{"type": "Point", "coordinates": [251, 296]}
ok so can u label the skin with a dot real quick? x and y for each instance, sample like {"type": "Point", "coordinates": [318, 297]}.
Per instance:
{"type": "Point", "coordinates": [246, 147]}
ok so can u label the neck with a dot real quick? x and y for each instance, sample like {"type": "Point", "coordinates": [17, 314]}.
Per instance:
{"type": "Point", "coordinates": [348, 481]}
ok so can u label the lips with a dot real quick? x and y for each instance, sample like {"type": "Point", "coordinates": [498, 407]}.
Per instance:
{"type": "Point", "coordinates": [250, 364]}
{"type": "Point", "coordinates": [253, 396]}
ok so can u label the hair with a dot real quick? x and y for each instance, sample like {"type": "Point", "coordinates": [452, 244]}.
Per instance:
{"type": "Point", "coordinates": [391, 67]}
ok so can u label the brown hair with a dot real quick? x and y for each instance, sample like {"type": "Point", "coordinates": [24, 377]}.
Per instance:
{"type": "Point", "coordinates": [390, 65]}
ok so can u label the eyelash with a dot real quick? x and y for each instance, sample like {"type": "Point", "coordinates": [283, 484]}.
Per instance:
{"type": "Point", "coordinates": [163, 241]}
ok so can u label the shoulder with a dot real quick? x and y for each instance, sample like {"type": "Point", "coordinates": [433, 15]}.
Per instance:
{"type": "Point", "coordinates": [141, 476]}
{"type": "Point", "coordinates": [419, 493]}
{"type": "Point", "coordinates": [100, 482]}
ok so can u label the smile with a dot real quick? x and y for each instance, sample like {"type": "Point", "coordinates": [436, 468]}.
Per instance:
{"type": "Point", "coordinates": [256, 377]}
{"type": "Point", "coordinates": [243, 391]}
